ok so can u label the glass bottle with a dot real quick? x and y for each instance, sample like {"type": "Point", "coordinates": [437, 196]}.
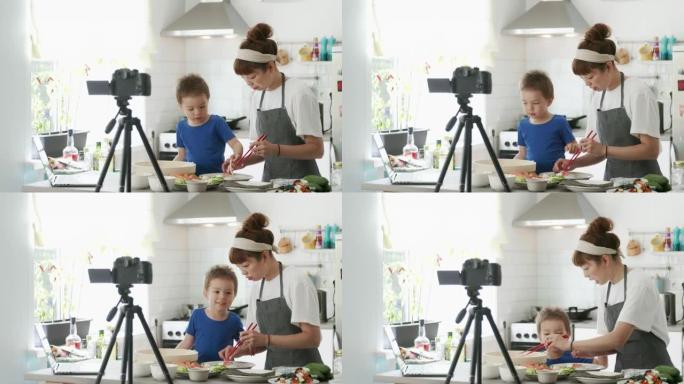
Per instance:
{"type": "Point", "coordinates": [410, 150]}
{"type": "Point", "coordinates": [97, 156]}
{"type": "Point", "coordinates": [447, 346]}
{"type": "Point", "coordinates": [437, 155]}
{"type": "Point", "coordinates": [422, 342]}
{"type": "Point", "coordinates": [656, 49]}
{"type": "Point", "coordinates": [337, 363]}
{"type": "Point", "coordinates": [100, 345]}
{"type": "Point", "coordinates": [319, 237]}
{"type": "Point", "coordinates": [316, 53]}
{"type": "Point", "coordinates": [73, 339]}
{"type": "Point", "coordinates": [668, 240]}
{"type": "Point", "coordinates": [70, 152]}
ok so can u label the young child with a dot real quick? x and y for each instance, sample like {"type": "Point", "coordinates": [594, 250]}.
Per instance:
{"type": "Point", "coordinates": [213, 328]}
{"type": "Point", "coordinates": [554, 321]}
{"type": "Point", "coordinates": [542, 136]}
{"type": "Point", "coordinates": [202, 138]}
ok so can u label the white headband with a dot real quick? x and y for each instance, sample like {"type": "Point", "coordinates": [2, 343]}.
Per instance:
{"type": "Point", "coordinates": [251, 245]}
{"type": "Point", "coordinates": [255, 56]}
{"type": "Point", "coordinates": [593, 57]}
{"type": "Point", "coordinates": [591, 249]}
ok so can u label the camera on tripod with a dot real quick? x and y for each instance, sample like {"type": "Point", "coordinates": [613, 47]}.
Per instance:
{"type": "Point", "coordinates": [126, 271]}
{"type": "Point", "coordinates": [475, 273]}
{"type": "Point", "coordinates": [464, 81]}
{"type": "Point", "coordinates": [125, 83]}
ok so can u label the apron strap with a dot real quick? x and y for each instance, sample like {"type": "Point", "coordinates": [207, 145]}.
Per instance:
{"type": "Point", "coordinates": [280, 274]}
{"type": "Point", "coordinates": [261, 101]}
{"type": "Point", "coordinates": [605, 304]}
{"type": "Point", "coordinates": [622, 105]}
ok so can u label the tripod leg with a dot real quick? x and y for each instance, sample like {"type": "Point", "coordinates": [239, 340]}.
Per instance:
{"type": "Point", "coordinates": [492, 155]}
{"type": "Point", "coordinates": [464, 156]}
{"type": "Point", "coordinates": [502, 347]}
{"type": "Point", "coordinates": [150, 154]}
{"type": "Point", "coordinates": [450, 155]}
{"type": "Point", "coordinates": [126, 167]}
{"type": "Point", "coordinates": [126, 153]}
{"type": "Point", "coordinates": [110, 347]}
{"type": "Point", "coordinates": [474, 362]}
{"type": "Point", "coordinates": [127, 345]}
{"type": "Point", "coordinates": [155, 349]}
{"type": "Point", "coordinates": [459, 349]}
{"type": "Point", "coordinates": [468, 160]}
{"type": "Point", "coordinates": [110, 155]}
{"type": "Point", "coordinates": [127, 364]}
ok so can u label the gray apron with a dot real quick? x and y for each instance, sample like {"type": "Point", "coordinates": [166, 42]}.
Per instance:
{"type": "Point", "coordinates": [613, 128]}
{"type": "Point", "coordinates": [643, 350]}
{"type": "Point", "coordinates": [273, 317]}
{"type": "Point", "coordinates": [277, 126]}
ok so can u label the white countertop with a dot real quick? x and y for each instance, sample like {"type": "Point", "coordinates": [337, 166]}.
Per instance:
{"type": "Point", "coordinates": [461, 375]}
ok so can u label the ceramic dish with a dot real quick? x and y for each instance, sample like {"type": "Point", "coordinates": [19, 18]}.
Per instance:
{"type": "Point", "coordinates": [254, 184]}
{"type": "Point", "coordinates": [595, 380]}
{"type": "Point", "coordinates": [579, 367]}
{"type": "Point", "coordinates": [248, 375]}
{"type": "Point", "coordinates": [287, 381]}
{"type": "Point", "coordinates": [234, 188]}
{"type": "Point", "coordinates": [577, 188]}
{"type": "Point", "coordinates": [594, 183]}
{"type": "Point", "coordinates": [578, 176]}
{"type": "Point", "coordinates": [606, 374]}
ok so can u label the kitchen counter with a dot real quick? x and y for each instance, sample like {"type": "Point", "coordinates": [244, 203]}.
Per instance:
{"type": "Point", "coordinates": [461, 375]}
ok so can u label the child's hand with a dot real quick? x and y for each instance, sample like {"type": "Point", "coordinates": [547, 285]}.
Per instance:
{"type": "Point", "coordinates": [562, 165]}
{"type": "Point", "coordinates": [224, 353]}
{"type": "Point", "coordinates": [573, 147]}
{"type": "Point", "coordinates": [558, 344]}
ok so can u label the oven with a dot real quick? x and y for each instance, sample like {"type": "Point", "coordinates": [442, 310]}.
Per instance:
{"type": "Point", "coordinates": [523, 336]}
{"type": "Point", "coordinates": [508, 144]}
{"type": "Point", "coordinates": [167, 146]}
{"type": "Point", "coordinates": [173, 332]}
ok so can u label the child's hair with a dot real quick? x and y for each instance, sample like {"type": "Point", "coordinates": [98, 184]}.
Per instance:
{"type": "Point", "coordinates": [191, 85]}
{"type": "Point", "coordinates": [221, 272]}
{"type": "Point", "coordinates": [258, 39]}
{"type": "Point", "coordinates": [253, 228]}
{"type": "Point", "coordinates": [538, 81]}
{"type": "Point", "coordinates": [552, 313]}
{"type": "Point", "coordinates": [595, 39]}
{"type": "Point", "coordinates": [598, 234]}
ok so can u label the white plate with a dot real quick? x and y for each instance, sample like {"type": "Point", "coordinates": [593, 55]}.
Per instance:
{"type": "Point", "coordinates": [246, 379]}
{"type": "Point", "coordinates": [232, 188]}
{"type": "Point", "coordinates": [595, 183]}
{"type": "Point", "coordinates": [596, 380]}
{"type": "Point", "coordinates": [577, 188]}
{"type": "Point", "coordinates": [254, 184]}
{"type": "Point", "coordinates": [578, 176]}
{"type": "Point", "coordinates": [233, 364]}
{"type": "Point", "coordinates": [579, 367]}
{"type": "Point", "coordinates": [606, 374]}
{"type": "Point", "coordinates": [275, 381]}
{"type": "Point", "coordinates": [226, 177]}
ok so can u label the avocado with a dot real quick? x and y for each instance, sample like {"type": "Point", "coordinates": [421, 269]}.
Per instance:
{"type": "Point", "coordinates": [658, 182]}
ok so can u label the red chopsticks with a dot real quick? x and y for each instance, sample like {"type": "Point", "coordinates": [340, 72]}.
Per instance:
{"type": "Point", "coordinates": [575, 155]}
{"type": "Point", "coordinates": [229, 355]}
{"type": "Point", "coordinates": [539, 347]}
{"type": "Point", "coordinates": [249, 152]}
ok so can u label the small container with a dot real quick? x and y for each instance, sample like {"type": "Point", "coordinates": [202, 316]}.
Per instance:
{"type": "Point", "coordinates": [158, 374]}
{"type": "Point", "coordinates": [156, 186]}
{"type": "Point", "coordinates": [547, 376]}
{"type": "Point", "coordinates": [495, 182]}
{"type": "Point", "coordinates": [198, 374]}
{"type": "Point", "coordinates": [506, 375]}
{"type": "Point", "coordinates": [490, 371]}
{"type": "Point", "coordinates": [536, 185]}
{"type": "Point", "coordinates": [197, 185]}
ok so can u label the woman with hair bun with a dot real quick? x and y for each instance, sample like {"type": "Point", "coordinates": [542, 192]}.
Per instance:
{"type": "Point", "coordinates": [631, 320]}
{"type": "Point", "coordinates": [284, 305]}
{"type": "Point", "coordinates": [623, 111]}
{"type": "Point", "coordinates": [283, 109]}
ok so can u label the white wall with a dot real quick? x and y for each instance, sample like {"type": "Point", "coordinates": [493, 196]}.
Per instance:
{"type": "Point", "coordinates": [14, 99]}
{"type": "Point", "coordinates": [17, 284]}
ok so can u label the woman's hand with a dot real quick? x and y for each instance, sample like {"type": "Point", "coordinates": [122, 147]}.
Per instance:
{"type": "Point", "coordinates": [251, 340]}
{"type": "Point", "coordinates": [558, 344]}
{"type": "Point", "coordinates": [592, 147]}
{"type": "Point", "coordinates": [264, 148]}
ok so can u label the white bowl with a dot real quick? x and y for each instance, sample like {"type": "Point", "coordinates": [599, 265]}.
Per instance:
{"type": "Point", "coordinates": [169, 355]}
{"type": "Point", "coordinates": [507, 165]}
{"type": "Point", "coordinates": [537, 185]}
{"type": "Point", "coordinates": [198, 374]}
{"type": "Point", "coordinates": [158, 374]}
{"type": "Point", "coordinates": [506, 375]}
{"type": "Point", "coordinates": [495, 182]}
{"type": "Point", "coordinates": [547, 376]}
{"type": "Point", "coordinates": [156, 186]}
{"type": "Point", "coordinates": [141, 369]}
{"type": "Point", "coordinates": [490, 371]}
{"type": "Point", "coordinates": [196, 185]}
{"type": "Point", "coordinates": [168, 167]}
{"type": "Point", "coordinates": [518, 357]}
{"type": "Point", "coordinates": [140, 181]}
{"type": "Point", "coordinates": [480, 179]}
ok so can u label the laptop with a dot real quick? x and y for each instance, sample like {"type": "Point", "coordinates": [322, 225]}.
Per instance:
{"type": "Point", "coordinates": [83, 179]}
{"type": "Point", "coordinates": [81, 368]}
{"type": "Point", "coordinates": [434, 369]}
{"type": "Point", "coordinates": [421, 177]}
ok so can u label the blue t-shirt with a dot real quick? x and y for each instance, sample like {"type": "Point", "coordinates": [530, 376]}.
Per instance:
{"type": "Point", "coordinates": [568, 358]}
{"type": "Point", "coordinates": [204, 144]}
{"type": "Point", "coordinates": [545, 143]}
{"type": "Point", "coordinates": [211, 336]}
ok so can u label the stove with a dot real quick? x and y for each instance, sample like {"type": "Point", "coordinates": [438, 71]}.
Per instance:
{"type": "Point", "coordinates": [173, 332]}
{"type": "Point", "coordinates": [167, 146]}
{"type": "Point", "coordinates": [508, 144]}
{"type": "Point", "coordinates": [523, 336]}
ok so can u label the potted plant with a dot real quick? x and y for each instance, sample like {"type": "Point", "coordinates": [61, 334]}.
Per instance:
{"type": "Point", "coordinates": [54, 104]}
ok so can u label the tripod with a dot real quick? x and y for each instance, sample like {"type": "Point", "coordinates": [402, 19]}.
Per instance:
{"type": "Point", "coordinates": [126, 124]}
{"type": "Point", "coordinates": [127, 312]}
{"type": "Point", "coordinates": [467, 121]}
{"type": "Point", "coordinates": [477, 312]}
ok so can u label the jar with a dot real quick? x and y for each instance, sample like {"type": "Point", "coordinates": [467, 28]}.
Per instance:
{"type": "Point", "coordinates": [678, 175]}
{"type": "Point", "coordinates": [336, 176]}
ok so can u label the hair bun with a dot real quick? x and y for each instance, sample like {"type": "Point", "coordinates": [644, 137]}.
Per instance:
{"type": "Point", "coordinates": [600, 225]}
{"type": "Point", "coordinates": [597, 32]}
{"type": "Point", "coordinates": [260, 32]}
{"type": "Point", "coordinates": [255, 222]}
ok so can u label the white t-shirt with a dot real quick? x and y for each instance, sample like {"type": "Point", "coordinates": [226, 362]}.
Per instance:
{"type": "Point", "coordinates": [640, 104]}
{"type": "Point", "coordinates": [300, 295]}
{"type": "Point", "coordinates": [301, 105]}
{"type": "Point", "coordinates": [642, 309]}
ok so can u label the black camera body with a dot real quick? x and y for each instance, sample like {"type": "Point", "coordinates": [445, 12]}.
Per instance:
{"type": "Point", "coordinates": [464, 81]}
{"type": "Point", "coordinates": [126, 271]}
{"type": "Point", "coordinates": [125, 83]}
{"type": "Point", "coordinates": [475, 273]}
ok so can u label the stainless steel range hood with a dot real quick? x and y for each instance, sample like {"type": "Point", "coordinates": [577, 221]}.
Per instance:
{"type": "Point", "coordinates": [208, 18]}
{"type": "Point", "coordinates": [547, 18]}
{"type": "Point", "coordinates": [210, 208]}
{"type": "Point", "coordinates": [558, 210]}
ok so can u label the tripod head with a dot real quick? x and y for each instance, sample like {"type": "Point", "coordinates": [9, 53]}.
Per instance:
{"type": "Point", "coordinates": [122, 103]}
{"type": "Point", "coordinates": [473, 294]}
{"type": "Point", "coordinates": [124, 292]}
{"type": "Point", "coordinates": [464, 109]}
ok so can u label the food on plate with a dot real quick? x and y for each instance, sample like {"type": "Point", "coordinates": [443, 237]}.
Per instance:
{"type": "Point", "coordinates": [311, 183]}
{"type": "Point", "coordinates": [183, 366]}
{"type": "Point", "coordinates": [658, 183]}
{"type": "Point", "coordinates": [636, 186]}
{"type": "Point", "coordinates": [299, 376]}
{"type": "Point", "coordinates": [534, 367]}
{"type": "Point", "coordinates": [319, 371]}
{"type": "Point", "coordinates": [214, 180]}
{"type": "Point", "coordinates": [669, 374]}
{"type": "Point", "coordinates": [649, 377]}
{"type": "Point", "coordinates": [183, 179]}
{"type": "Point", "coordinates": [550, 177]}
